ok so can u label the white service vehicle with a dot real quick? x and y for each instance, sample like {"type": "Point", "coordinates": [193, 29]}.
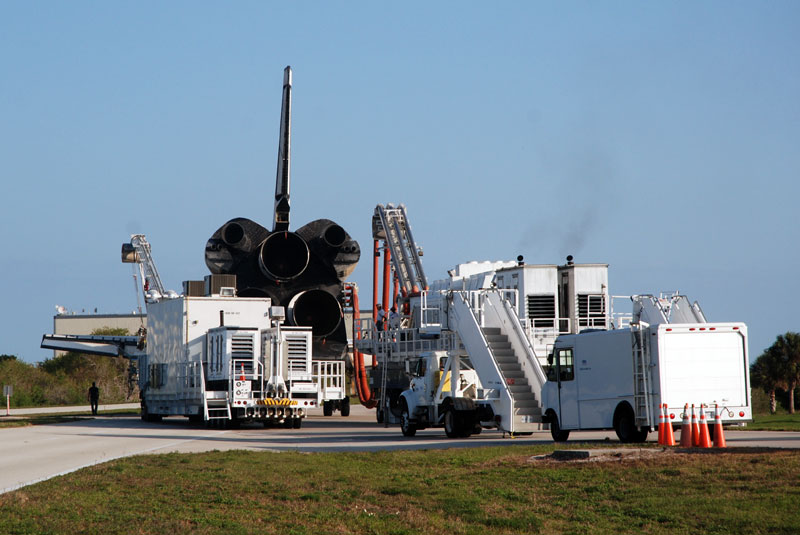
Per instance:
{"type": "Point", "coordinates": [435, 400]}
{"type": "Point", "coordinates": [618, 379]}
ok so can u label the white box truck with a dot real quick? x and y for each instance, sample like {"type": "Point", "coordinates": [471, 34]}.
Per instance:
{"type": "Point", "coordinates": [618, 379]}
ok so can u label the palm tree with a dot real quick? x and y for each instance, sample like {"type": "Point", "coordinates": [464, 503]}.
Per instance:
{"type": "Point", "coordinates": [788, 346]}
{"type": "Point", "coordinates": [768, 373]}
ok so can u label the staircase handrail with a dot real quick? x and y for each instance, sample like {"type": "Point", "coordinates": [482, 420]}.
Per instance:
{"type": "Point", "coordinates": [530, 363]}
{"type": "Point", "coordinates": [486, 368]}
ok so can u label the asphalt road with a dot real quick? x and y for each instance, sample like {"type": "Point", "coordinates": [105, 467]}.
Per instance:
{"type": "Point", "coordinates": [35, 453]}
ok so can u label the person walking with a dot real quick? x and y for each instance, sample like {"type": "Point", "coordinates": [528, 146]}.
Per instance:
{"type": "Point", "coordinates": [94, 397]}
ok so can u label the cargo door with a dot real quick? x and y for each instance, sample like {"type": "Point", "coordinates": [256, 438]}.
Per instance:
{"type": "Point", "coordinates": [703, 363]}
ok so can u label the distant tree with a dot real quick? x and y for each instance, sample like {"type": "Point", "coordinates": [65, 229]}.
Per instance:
{"type": "Point", "coordinates": [768, 374]}
{"type": "Point", "coordinates": [788, 346]}
{"type": "Point", "coordinates": [778, 368]}
{"type": "Point", "coordinates": [4, 358]}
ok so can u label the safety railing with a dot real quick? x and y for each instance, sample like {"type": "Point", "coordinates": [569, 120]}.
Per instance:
{"type": "Point", "coordinates": [329, 377]}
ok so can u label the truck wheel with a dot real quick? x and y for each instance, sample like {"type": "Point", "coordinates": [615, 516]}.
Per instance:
{"type": "Point", "coordinates": [406, 426]}
{"type": "Point", "coordinates": [345, 407]}
{"type": "Point", "coordinates": [379, 415]}
{"type": "Point", "coordinates": [466, 423]}
{"type": "Point", "coordinates": [451, 423]}
{"type": "Point", "coordinates": [327, 408]}
{"type": "Point", "coordinates": [625, 425]}
{"type": "Point", "coordinates": [297, 423]}
{"type": "Point", "coordinates": [558, 434]}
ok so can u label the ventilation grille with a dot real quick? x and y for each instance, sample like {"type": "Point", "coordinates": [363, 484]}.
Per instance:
{"type": "Point", "coordinates": [297, 350]}
{"type": "Point", "coordinates": [541, 310]}
{"type": "Point", "coordinates": [591, 311]}
{"type": "Point", "coordinates": [242, 346]}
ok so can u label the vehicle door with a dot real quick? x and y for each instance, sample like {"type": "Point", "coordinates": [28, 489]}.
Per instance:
{"type": "Point", "coordinates": [567, 388]}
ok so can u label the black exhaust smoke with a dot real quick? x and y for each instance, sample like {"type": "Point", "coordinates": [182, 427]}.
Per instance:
{"type": "Point", "coordinates": [303, 271]}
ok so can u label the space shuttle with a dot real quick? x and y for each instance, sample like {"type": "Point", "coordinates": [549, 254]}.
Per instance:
{"type": "Point", "coordinates": [302, 270]}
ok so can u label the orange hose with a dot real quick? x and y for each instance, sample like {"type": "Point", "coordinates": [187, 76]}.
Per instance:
{"type": "Point", "coordinates": [365, 395]}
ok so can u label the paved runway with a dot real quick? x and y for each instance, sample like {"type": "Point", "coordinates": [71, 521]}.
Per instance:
{"type": "Point", "coordinates": [35, 453]}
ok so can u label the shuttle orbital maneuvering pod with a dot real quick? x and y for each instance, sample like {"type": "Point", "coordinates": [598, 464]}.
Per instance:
{"type": "Point", "coordinates": [303, 270]}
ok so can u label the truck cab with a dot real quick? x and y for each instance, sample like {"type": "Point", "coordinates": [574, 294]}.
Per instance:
{"type": "Point", "coordinates": [433, 399]}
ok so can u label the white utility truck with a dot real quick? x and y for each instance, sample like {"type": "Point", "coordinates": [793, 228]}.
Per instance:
{"type": "Point", "coordinates": [669, 354]}
{"type": "Point", "coordinates": [432, 402]}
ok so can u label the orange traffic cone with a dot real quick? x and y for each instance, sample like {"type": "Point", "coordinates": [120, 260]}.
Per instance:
{"type": "Point", "coordinates": [669, 437]}
{"type": "Point", "coordinates": [241, 377]}
{"type": "Point", "coordinates": [695, 429]}
{"type": "Point", "coordinates": [661, 425]}
{"type": "Point", "coordinates": [719, 437]}
{"type": "Point", "coordinates": [686, 429]}
{"type": "Point", "coordinates": [705, 440]}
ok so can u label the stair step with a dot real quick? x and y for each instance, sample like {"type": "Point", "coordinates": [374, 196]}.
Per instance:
{"type": "Point", "coordinates": [518, 381]}
{"type": "Point", "coordinates": [526, 411]}
{"type": "Point", "coordinates": [491, 330]}
{"type": "Point", "coordinates": [514, 389]}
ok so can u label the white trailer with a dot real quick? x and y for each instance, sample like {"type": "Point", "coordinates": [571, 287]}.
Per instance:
{"type": "Point", "coordinates": [227, 360]}
{"type": "Point", "coordinates": [618, 379]}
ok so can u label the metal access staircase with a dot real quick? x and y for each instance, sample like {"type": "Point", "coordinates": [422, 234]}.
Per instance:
{"type": "Point", "coordinates": [391, 224]}
{"type": "Point", "coordinates": [527, 409]}
{"type": "Point", "coordinates": [216, 404]}
{"type": "Point", "coordinates": [501, 354]}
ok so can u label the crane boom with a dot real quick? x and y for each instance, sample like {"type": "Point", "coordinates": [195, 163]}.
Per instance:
{"type": "Point", "coordinates": [138, 251]}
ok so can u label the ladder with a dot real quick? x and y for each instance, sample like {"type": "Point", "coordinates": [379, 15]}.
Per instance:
{"type": "Point", "coordinates": [215, 403]}
{"type": "Point", "coordinates": [216, 407]}
{"type": "Point", "coordinates": [390, 223]}
{"type": "Point", "coordinates": [641, 374]}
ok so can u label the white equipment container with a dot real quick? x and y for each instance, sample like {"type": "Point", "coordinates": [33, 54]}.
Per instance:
{"type": "Point", "coordinates": [227, 359]}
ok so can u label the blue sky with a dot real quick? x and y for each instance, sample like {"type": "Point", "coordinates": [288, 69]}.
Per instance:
{"type": "Point", "coordinates": [660, 138]}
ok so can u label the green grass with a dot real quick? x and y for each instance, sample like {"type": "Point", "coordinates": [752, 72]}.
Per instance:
{"type": "Point", "coordinates": [473, 491]}
{"type": "Point", "coordinates": [780, 421]}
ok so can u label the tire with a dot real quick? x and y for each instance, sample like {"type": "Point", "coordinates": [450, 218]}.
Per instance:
{"type": "Point", "coordinates": [345, 407]}
{"type": "Point", "coordinates": [406, 426]}
{"type": "Point", "coordinates": [379, 415]}
{"type": "Point", "coordinates": [297, 423]}
{"type": "Point", "coordinates": [451, 423]}
{"type": "Point", "coordinates": [149, 417]}
{"type": "Point", "coordinates": [558, 434]}
{"type": "Point", "coordinates": [466, 423]}
{"type": "Point", "coordinates": [625, 426]}
{"type": "Point", "coordinates": [327, 408]}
